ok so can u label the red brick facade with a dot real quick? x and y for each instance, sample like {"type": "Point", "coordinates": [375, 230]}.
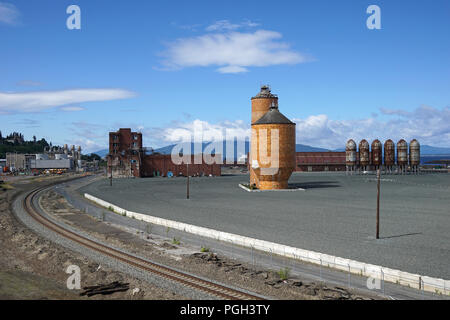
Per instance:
{"type": "Point", "coordinates": [320, 161]}
{"type": "Point", "coordinates": [127, 158]}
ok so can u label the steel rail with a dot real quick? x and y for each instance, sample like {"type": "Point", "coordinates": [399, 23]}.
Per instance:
{"type": "Point", "coordinates": [166, 272]}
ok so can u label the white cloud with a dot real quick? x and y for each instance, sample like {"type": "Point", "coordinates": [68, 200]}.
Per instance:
{"type": "Point", "coordinates": [72, 108]}
{"type": "Point", "coordinates": [201, 130]}
{"type": "Point", "coordinates": [222, 25]}
{"type": "Point", "coordinates": [41, 100]}
{"type": "Point", "coordinates": [427, 124]}
{"type": "Point", "coordinates": [8, 13]}
{"type": "Point", "coordinates": [232, 52]}
{"type": "Point", "coordinates": [232, 69]}
{"type": "Point", "coordinates": [87, 145]}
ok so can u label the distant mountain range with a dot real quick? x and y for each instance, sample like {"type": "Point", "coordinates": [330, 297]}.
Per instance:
{"type": "Point", "coordinates": [425, 149]}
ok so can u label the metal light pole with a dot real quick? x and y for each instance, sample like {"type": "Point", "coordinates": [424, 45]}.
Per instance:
{"type": "Point", "coordinates": [378, 203]}
{"type": "Point", "coordinates": [187, 182]}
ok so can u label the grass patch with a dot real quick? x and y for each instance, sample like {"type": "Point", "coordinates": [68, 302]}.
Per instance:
{"type": "Point", "coordinates": [204, 249]}
{"type": "Point", "coordinates": [176, 241]}
{"type": "Point", "coordinates": [284, 273]}
{"type": "Point", "coordinates": [6, 186]}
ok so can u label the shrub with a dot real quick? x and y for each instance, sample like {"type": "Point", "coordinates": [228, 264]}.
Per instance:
{"type": "Point", "coordinates": [284, 273]}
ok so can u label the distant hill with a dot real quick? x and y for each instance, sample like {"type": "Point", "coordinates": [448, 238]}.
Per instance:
{"type": "Point", "coordinates": [425, 149]}
{"type": "Point", "coordinates": [102, 153]}
{"type": "Point", "coordinates": [298, 148]}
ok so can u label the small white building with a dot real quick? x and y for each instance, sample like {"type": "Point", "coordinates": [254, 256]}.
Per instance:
{"type": "Point", "coordinates": [52, 164]}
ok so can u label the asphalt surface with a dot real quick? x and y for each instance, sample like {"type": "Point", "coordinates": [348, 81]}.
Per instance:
{"type": "Point", "coordinates": [334, 215]}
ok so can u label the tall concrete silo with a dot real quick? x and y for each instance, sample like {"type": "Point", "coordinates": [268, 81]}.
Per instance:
{"type": "Point", "coordinates": [350, 155]}
{"type": "Point", "coordinates": [272, 150]}
{"type": "Point", "coordinates": [402, 155]}
{"type": "Point", "coordinates": [364, 159]}
{"type": "Point", "coordinates": [376, 154]}
{"type": "Point", "coordinates": [414, 155]}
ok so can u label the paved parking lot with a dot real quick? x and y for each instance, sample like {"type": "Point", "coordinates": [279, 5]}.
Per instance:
{"type": "Point", "coordinates": [334, 215]}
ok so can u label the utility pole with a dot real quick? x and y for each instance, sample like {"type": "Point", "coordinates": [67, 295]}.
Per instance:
{"type": "Point", "coordinates": [378, 202]}
{"type": "Point", "coordinates": [110, 178]}
{"type": "Point", "coordinates": [187, 181]}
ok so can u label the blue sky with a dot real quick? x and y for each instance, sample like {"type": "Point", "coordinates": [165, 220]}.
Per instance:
{"type": "Point", "coordinates": [169, 67]}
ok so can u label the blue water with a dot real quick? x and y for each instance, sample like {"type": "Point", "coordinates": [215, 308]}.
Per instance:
{"type": "Point", "coordinates": [428, 157]}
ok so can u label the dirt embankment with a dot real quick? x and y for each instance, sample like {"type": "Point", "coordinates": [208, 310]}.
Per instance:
{"type": "Point", "coordinates": [34, 268]}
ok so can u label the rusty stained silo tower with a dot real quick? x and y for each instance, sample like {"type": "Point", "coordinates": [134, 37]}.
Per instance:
{"type": "Point", "coordinates": [350, 156]}
{"type": "Point", "coordinates": [402, 155]}
{"type": "Point", "coordinates": [414, 155]}
{"type": "Point", "coordinates": [389, 155]}
{"type": "Point", "coordinates": [364, 158]}
{"type": "Point", "coordinates": [261, 104]}
{"type": "Point", "coordinates": [272, 152]}
{"type": "Point", "coordinates": [376, 154]}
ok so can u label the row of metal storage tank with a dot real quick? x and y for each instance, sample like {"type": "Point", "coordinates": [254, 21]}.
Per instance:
{"type": "Point", "coordinates": [375, 157]}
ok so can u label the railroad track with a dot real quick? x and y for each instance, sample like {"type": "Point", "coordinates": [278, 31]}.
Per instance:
{"type": "Point", "coordinates": [165, 272]}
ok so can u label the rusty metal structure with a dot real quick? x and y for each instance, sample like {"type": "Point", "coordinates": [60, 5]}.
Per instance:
{"type": "Point", "coordinates": [376, 155]}
{"type": "Point", "coordinates": [414, 155]}
{"type": "Point", "coordinates": [364, 156]}
{"type": "Point", "coordinates": [389, 155]}
{"type": "Point", "coordinates": [272, 153]}
{"type": "Point", "coordinates": [366, 159]}
{"type": "Point", "coordinates": [350, 156]}
{"type": "Point", "coordinates": [402, 156]}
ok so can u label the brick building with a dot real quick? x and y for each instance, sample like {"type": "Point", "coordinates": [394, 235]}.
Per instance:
{"type": "Point", "coordinates": [127, 158]}
{"type": "Point", "coordinates": [320, 161]}
{"type": "Point", "coordinates": [125, 153]}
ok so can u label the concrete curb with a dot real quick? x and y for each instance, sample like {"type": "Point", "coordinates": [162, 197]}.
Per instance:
{"type": "Point", "coordinates": [416, 281]}
{"type": "Point", "coordinates": [242, 186]}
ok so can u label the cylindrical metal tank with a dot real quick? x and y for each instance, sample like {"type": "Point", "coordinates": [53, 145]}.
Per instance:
{"type": "Point", "coordinates": [376, 153]}
{"type": "Point", "coordinates": [60, 156]}
{"type": "Point", "coordinates": [272, 150]}
{"type": "Point", "coordinates": [414, 153]}
{"type": "Point", "coordinates": [402, 153]}
{"type": "Point", "coordinates": [350, 153]}
{"type": "Point", "coordinates": [42, 156]}
{"type": "Point", "coordinates": [389, 153]}
{"type": "Point", "coordinates": [364, 159]}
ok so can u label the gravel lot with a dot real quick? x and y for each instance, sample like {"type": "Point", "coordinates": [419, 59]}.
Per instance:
{"type": "Point", "coordinates": [335, 214]}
